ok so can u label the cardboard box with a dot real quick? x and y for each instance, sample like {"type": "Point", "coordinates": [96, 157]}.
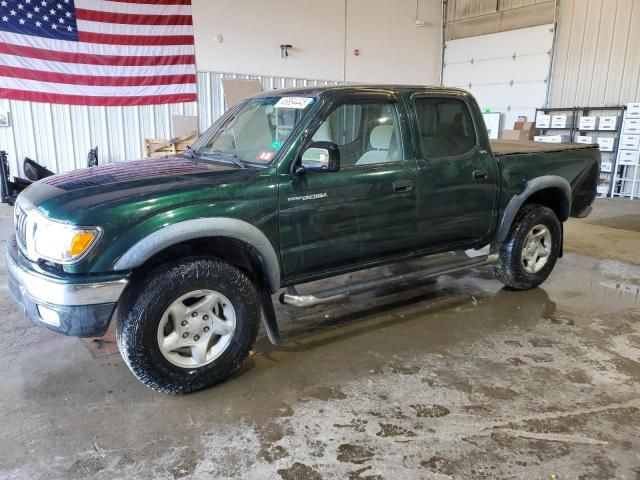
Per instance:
{"type": "Point", "coordinates": [551, 138]}
{"type": "Point", "coordinates": [606, 166]}
{"type": "Point", "coordinates": [631, 125]}
{"type": "Point", "coordinates": [523, 125]}
{"type": "Point", "coordinates": [184, 124]}
{"type": "Point", "coordinates": [608, 122]}
{"type": "Point", "coordinates": [629, 142]}
{"type": "Point", "coordinates": [515, 135]}
{"type": "Point", "coordinates": [603, 189]}
{"type": "Point", "coordinates": [605, 144]}
{"type": "Point", "coordinates": [584, 139]}
{"type": "Point", "coordinates": [528, 127]}
{"type": "Point", "coordinates": [559, 121]}
{"type": "Point", "coordinates": [235, 90]}
{"type": "Point", "coordinates": [587, 123]}
{"type": "Point", "coordinates": [628, 157]}
{"type": "Point", "coordinates": [543, 121]}
{"type": "Point", "coordinates": [633, 110]}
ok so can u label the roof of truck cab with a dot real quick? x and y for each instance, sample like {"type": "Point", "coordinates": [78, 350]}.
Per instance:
{"type": "Point", "coordinates": [318, 90]}
{"type": "Point", "coordinates": [512, 147]}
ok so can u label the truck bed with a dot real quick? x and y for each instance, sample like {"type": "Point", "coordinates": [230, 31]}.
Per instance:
{"type": "Point", "coordinates": [510, 147]}
{"type": "Point", "coordinates": [576, 163]}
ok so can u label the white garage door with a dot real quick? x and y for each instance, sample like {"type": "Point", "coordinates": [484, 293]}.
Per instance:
{"type": "Point", "coordinates": [507, 71]}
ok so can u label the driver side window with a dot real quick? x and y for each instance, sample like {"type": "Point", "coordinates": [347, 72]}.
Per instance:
{"type": "Point", "coordinates": [366, 133]}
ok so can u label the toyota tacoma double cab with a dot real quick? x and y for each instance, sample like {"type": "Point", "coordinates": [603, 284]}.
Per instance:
{"type": "Point", "coordinates": [186, 253]}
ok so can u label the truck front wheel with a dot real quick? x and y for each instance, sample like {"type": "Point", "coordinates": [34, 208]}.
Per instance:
{"type": "Point", "coordinates": [530, 251]}
{"type": "Point", "coordinates": [188, 325]}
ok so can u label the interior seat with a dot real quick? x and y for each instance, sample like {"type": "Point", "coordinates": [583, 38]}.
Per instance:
{"type": "Point", "coordinates": [324, 132]}
{"type": "Point", "coordinates": [380, 141]}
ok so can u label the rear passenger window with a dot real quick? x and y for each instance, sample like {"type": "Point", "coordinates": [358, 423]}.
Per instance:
{"type": "Point", "coordinates": [445, 127]}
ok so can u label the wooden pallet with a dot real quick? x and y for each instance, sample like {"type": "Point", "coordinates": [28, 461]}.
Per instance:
{"type": "Point", "coordinates": [160, 147]}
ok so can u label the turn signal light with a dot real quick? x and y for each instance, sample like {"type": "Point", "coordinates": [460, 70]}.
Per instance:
{"type": "Point", "coordinates": [80, 243]}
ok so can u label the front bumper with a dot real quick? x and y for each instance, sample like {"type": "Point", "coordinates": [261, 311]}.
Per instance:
{"type": "Point", "coordinates": [75, 306]}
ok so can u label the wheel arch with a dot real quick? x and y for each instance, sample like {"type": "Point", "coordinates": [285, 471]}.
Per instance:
{"type": "Point", "coordinates": [233, 240]}
{"type": "Point", "coordinates": [551, 191]}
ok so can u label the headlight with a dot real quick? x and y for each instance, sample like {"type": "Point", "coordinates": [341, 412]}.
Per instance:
{"type": "Point", "coordinates": [41, 237]}
{"type": "Point", "coordinates": [61, 242]}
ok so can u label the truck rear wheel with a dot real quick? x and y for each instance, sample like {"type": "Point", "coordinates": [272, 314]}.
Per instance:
{"type": "Point", "coordinates": [531, 249]}
{"type": "Point", "coordinates": [188, 325]}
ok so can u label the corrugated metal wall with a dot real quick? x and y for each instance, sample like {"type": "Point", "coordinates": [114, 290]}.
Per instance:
{"type": "Point", "coordinates": [470, 18]}
{"type": "Point", "coordinates": [60, 136]}
{"type": "Point", "coordinates": [597, 54]}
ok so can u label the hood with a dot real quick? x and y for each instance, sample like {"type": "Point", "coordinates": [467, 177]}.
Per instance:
{"type": "Point", "coordinates": [174, 168]}
{"type": "Point", "coordinates": [77, 193]}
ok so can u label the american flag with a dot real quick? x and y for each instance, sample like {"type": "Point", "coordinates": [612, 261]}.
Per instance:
{"type": "Point", "coordinates": [97, 52]}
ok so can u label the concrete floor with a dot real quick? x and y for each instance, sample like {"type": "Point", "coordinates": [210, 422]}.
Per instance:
{"type": "Point", "coordinates": [455, 378]}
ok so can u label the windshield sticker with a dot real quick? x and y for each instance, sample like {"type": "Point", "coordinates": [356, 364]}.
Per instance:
{"type": "Point", "coordinates": [276, 145]}
{"type": "Point", "coordinates": [265, 156]}
{"type": "Point", "coordinates": [294, 102]}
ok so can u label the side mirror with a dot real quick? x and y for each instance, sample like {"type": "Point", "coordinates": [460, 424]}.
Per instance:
{"type": "Point", "coordinates": [320, 157]}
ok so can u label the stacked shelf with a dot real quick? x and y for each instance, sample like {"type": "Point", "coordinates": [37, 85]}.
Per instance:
{"type": "Point", "coordinates": [601, 125]}
{"type": "Point", "coordinates": [557, 128]}
{"type": "Point", "coordinates": [590, 125]}
{"type": "Point", "coordinates": [626, 180]}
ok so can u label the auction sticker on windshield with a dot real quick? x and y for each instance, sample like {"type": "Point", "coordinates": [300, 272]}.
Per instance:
{"type": "Point", "coordinates": [294, 102]}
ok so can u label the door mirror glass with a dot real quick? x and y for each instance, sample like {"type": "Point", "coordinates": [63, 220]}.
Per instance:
{"type": "Point", "coordinates": [320, 157]}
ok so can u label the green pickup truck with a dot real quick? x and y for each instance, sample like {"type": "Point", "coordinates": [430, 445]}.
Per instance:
{"type": "Point", "coordinates": [188, 252]}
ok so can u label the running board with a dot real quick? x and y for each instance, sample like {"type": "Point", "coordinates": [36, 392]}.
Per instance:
{"type": "Point", "coordinates": [333, 294]}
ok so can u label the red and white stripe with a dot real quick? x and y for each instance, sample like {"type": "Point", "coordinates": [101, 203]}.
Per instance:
{"type": "Point", "coordinates": [131, 52]}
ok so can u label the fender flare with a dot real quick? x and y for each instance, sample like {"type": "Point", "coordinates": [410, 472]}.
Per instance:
{"type": "Point", "coordinates": [532, 186]}
{"type": "Point", "coordinates": [187, 230]}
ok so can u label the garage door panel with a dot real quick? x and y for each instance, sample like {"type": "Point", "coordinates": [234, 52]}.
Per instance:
{"type": "Point", "coordinates": [508, 97]}
{"type": "Point", "coordinates": [524, 41]}
{"type": "Point", "coordinates": [504, 69]}
{"type": "Point", "coordinates": [508, 73]}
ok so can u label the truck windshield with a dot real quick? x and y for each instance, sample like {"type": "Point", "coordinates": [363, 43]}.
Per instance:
{"type": "Point", "coordinates": [256, 132]}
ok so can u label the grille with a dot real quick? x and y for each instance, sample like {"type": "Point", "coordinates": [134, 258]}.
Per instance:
{"type": "Point", "coordinates": [21, 228]}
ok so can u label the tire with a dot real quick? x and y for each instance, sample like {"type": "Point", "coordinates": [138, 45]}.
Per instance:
{"type": "Point", "coordinates": [159, 298]}
{"type": "Point", "coordinates": [517, 268]}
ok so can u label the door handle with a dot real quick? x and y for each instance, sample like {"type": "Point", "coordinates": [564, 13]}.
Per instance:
{"type": "Point", "coordinates": [402, 186]}
{"type": "Point", "coordinates": [480, 174]}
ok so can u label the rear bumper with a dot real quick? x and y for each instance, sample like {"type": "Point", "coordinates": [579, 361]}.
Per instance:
{"type": "Point", "coordinates": [80, 307]}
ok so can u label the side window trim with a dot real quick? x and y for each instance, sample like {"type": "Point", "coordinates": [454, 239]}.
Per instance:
{"type": "Point", "coordinates": [367, 101]}
{"type": "Point", "coordinates": [416, 128]}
